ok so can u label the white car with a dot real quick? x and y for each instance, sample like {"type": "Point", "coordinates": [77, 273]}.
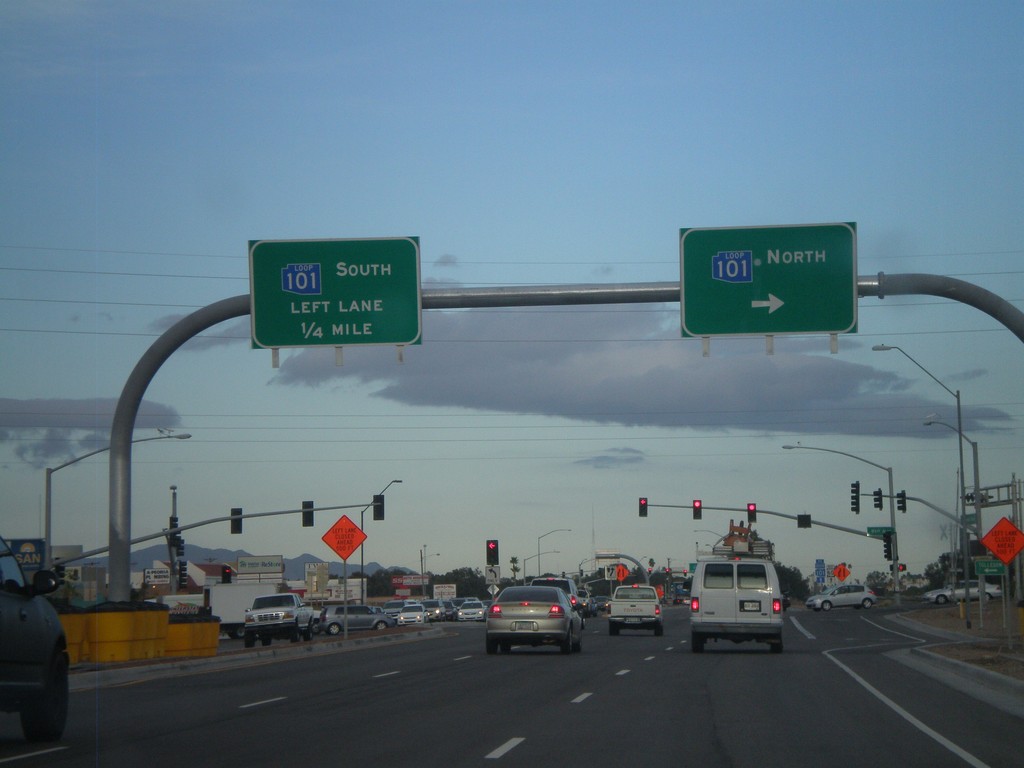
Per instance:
{"type": "Point", "coordinates": [412, 613]}
{"type": "Point", "coordinates": [471, 610]}
{"type": "Point", "coordinates": [950, 594]}
{"type": "Point", "coordinates": [842, 596]}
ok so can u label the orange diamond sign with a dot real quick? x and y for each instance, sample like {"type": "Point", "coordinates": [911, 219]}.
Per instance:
{"type": "Point", "coordinates": [841, 572]}
{"type": "Point", "coordinates": [344, 537]}
{"type": "Point", "coordinates": [1005, 540]}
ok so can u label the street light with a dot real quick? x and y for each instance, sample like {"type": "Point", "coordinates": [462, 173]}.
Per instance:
{"type": "Point", "coordinates": [423, 569]}
{"type": "Point", "coordinates": [965, 548]}
{"type": "Point", "coordinates": [557, 530]}
{"type": "Point", "coordinates": [47, 495]}
{"type": "Point", "coordinates": [892, 506]}
{"type": "Point", "coordinates": [527, 559]}
{"type": "Point", "coordinates": [362, 572]}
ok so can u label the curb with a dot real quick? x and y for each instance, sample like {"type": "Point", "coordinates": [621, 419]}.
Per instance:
{"type": "Point", "coordinates": [84, 677]}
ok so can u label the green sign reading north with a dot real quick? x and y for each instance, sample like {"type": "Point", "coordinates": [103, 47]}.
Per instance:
{"type": "Point", "coordinates": [762, 281]}
{"type": "Point", "coordinates": [335, 293]}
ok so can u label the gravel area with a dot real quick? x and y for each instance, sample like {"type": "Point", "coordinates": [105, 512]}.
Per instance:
{"type": "Point", "coordinates": [997, 646]}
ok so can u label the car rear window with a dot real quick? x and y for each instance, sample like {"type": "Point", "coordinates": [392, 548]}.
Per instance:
{"type": "Point", "coordinates": [718, 576]}
{"type": "Point", "coordinates": [527, 594]}
{"type": "Point", "coordinates": [751, 576]}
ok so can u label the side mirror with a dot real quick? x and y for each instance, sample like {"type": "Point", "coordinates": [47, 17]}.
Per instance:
{"type": "Point", "coordinates": [44, 582]}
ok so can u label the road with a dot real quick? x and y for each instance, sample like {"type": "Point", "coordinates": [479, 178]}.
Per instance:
{"type": "Point", "coordinates": [839, 694]}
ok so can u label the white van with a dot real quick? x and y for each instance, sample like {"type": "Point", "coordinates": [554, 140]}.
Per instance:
{"type": "Point", "coordinates": [737, 600]}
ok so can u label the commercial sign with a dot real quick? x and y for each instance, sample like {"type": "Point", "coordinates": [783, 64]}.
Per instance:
{"type": "Point", "coordinates": [30, 553]}
{"type": "Point", "coordinates": [308, 293]}
{"type": "Point", "coordinates": [260, 564]}
{"type": "Point", "coordinates": [157, 575]}
{"type": "Point", "coordinates": [763, 281]}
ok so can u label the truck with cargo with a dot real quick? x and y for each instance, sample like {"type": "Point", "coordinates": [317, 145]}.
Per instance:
{"type": "Point", "coordinates": [230, 602]}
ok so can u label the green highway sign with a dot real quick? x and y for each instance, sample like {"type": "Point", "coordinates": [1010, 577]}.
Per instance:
{"type": "Point", "coordinates": [880, 530]}
{"type": "Point", "coordinates": [308, 293]}
{"type": "Point", "coordinates": [989, 568]}
{"type": "Point", "coordinates": [763, 281]}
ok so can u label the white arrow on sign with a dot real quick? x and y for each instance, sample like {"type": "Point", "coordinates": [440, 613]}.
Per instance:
{"type": "Point", "coordinates": [773, 303]}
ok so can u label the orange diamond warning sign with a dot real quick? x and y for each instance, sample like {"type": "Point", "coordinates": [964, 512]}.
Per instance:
{"type": "Point", "coordinates": [1005, 540]}
{"type": "Point", "coordinates": [344, 537]}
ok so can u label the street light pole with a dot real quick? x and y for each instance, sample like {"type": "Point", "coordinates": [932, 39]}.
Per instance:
{"type": "Point", "coordinates": [557, 530]}
{"type": "Point", "coordinates": [48, 489]}
{"type": "Point", "coordinates": [362, 571]}
{"type": "Point", "coordinates": [895, 568]}
{"type": "Point", "coordinates": [527, 559]}
{"type": "Point", "coordinates": [964, 536]}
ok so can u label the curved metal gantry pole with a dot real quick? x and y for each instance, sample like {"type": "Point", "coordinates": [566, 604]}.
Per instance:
{"type": "Point", "coordinates": [450, 298]}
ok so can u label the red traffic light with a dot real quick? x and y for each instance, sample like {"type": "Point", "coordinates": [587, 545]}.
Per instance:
{"type": "Point", "coordinates": [697, 508]}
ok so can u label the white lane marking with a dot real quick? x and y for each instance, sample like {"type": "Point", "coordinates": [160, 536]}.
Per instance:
{"type": "Point", "coordinates": [803, 631]}
{"type": "Point", "coordinates": [582, 697]}
{"type": "Point", "coordinates": [387, 674]}
{"type": "Point", "coordinates": [261, 703]}
{"type": "Point", "coordinates": [461, 658]}
{"type": "Point", "coordinates": [32, 754]}
{"type": "Point", "coordinates": [508, 745]}
{"type": "Point", "coordinates": [648, 658]}
{"type": "Point", "coordinates": [893, 631]}
{"type": "Point", "coordinates": [967, 757]}
{"type": "Point", "coordinates": [622, 672]}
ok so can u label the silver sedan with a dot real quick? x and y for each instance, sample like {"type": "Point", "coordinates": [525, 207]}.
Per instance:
{"type": "Point", "coordinates": [533, 616]}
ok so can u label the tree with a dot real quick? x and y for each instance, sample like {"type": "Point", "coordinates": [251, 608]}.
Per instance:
{"type": "Point", "coordinates": [514, 562]}
{"type": "Point", "coordinates": [791, 581]}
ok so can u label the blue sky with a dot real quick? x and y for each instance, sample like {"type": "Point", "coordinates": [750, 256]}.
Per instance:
{"type": "Point", "coordinates": [525, 144]}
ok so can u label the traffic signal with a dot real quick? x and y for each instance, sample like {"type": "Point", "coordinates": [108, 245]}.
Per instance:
{"type": "Point", "coordinates": [643, 506]}
{"type": "Point", "coordinates": [855, 497]}
{"type": "Point", "coordinates": [751, 512]}
{"type": "Point", "coordinates": [182, 574]}
{"type": "Point", "coordinates": [877, 496]}
{"type": "Point", "coordinates": [378, 506]}
{"type": "Point", "coordinates": [887, 545]}
{"type": "Point", "coordinates": [492, 551]}
{"type": "Point", "coordinates": [307, 514]}
{"type": "Point", "coordinates": [902, 567]}
{"type": "Point", "coordinates": [236, 519]}
{"type": "Point", "coordinates": [697, 509]}
{"type": "Point", "coordinates": [803, 521]}
{"type": "Point", "coordinates": [901, 501]}
{"type": "Point", "coordinates": [225, 574]}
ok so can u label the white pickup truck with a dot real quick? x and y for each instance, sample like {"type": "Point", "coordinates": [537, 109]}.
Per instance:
{"type": "Point", "coordinates": [283, 615]}
{"type": "Point", "coordinates": [635, 607]}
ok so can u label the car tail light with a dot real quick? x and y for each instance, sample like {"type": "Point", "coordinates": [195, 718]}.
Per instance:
{"type": "Point", "coordinates": [657, 610]}
{"type": "Point", "coordinates": [556, 612]}
{"type": "Point", "coordinates": [776, 605]}
{"type": "Point", "coordinates": [695, 604]}
{"type": "Point", "coordinates": [572, 599]}
{"type": "Point", "coordinates": [494, 610]}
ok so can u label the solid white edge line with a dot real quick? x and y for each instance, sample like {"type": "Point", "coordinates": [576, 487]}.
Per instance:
{"type": "Point", "coordinates": [32, 754]}
{"type": "Point", "coordinates": [504, 748]}
{"type": "Point", "coordinates": [967, 757]}
{"type": "Point", "coordinates": [800, 627]}
{"type": "Point", "coordinates": [261, 703]}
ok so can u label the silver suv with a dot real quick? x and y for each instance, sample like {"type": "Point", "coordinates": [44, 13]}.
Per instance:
{"type": "Point", "coordinates": [33, 654]}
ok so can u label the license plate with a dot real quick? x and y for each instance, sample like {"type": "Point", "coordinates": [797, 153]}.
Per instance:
{"type": "Point", "coordinates": [750, 605]}
{"type": "Point", "coordinates": [524, 626]}
{"type": "Point", "coordinates": [632, 619]}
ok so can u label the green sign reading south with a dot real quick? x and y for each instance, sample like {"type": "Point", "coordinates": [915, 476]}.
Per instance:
{"type": "Point", "coordinates": [762, 281]}
{"type": "Point", "coordinates": [335, 293]}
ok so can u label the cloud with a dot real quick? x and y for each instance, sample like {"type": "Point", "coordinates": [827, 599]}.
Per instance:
{"type": "Point", "coordinates": [629, 367]}
{"type": "Point", "coordinates": [49, 430]}
{"type": "Point", "coordinates": [614, 458]}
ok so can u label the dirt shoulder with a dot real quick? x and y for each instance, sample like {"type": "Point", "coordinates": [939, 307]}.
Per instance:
{"type": "Point", "coordinates": [993, 641]}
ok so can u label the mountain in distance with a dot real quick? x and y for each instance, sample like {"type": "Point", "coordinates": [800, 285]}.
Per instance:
{"type": "Point", "coordinates": [294, 567]}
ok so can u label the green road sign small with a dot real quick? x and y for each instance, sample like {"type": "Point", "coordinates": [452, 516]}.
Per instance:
{"type": "Point", "coordinates": [308, 293]}
{"type": "Point", "coordinates": [763, 281]}
{"type": "Point", "coordinates": [880, 530]}
{"type": "Point", "coordinates": [989, 568]}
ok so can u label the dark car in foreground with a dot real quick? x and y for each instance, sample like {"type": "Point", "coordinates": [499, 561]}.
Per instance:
{"type": "Point", "coordinates": [33, 651]}
{"type": "Point", "coordinates": [533, 616]}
